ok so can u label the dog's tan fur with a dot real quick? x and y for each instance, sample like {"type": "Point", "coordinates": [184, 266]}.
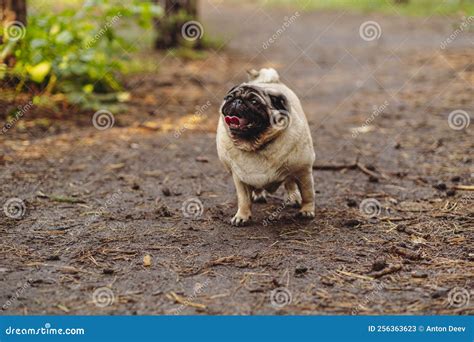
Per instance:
{"type": "Point", "coordinates": [277, 156]}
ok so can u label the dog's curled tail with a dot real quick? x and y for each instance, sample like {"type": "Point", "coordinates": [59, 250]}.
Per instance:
{"type": "Point", "coordinates": [265, 75]}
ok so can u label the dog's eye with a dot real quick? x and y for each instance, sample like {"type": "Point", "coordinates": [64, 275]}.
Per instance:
{"type": "Point", "coordinates": [254, 101]}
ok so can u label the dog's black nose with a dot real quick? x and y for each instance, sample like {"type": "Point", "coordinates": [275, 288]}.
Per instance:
{"type": "Point", "coordinates": [237, 102]}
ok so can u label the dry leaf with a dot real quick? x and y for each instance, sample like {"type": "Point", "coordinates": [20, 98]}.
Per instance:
{"type": "Point", "coordinates": [147, 260]}
{"type": "Point", "coordinates": [63, 308]}
{"type": "Point", "coordinates": [117, 166]}
{"type": "Point", "coordinates": [151, 125]}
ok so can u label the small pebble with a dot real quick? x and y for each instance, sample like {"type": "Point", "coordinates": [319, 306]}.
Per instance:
{"type": "Point", "coordinates": [327, 282]}
{"type": "Point", "coordinates": [351, 203]}
{"type": "Point", "coordinates": [351, 223]}
{"type": "Point", "coordinates": [419, 274]}
{"type": "Point", "coordinates": [166, 191]}
{"type": "Point", "coordinates": [440, 186]}
{"type": "Point", "coordinates": [301, 270]}
{"type": "Point", "coordinates": [163, 211]}
{"type": "Point", "coordinates": [456, 179]}
{"type": "Point", "coordinates": [439, 293]}
{"type": "Point", "coordinates": [401, 228]}
{"type": "Point", "coordinates": [451, 192]}
{"type": "Point", "coordinates": [373, 179]}
{"type": "Point", "coordinates": [379, 265]}
{"type": "Point", "coordinates": [202, 159]}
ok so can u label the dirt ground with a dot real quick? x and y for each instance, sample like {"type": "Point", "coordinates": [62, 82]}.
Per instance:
{"type": "Point", "coordinates": [134, 219]}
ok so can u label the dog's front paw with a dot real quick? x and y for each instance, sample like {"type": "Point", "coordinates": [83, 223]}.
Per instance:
{"type": "Point", "coordinates": [240, 220]}
{"type": "Point", "coordinates": [306, 213]}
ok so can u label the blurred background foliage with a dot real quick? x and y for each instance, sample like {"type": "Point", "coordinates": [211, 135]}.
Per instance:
{"type": "Point", "coordinates": [75, 50]}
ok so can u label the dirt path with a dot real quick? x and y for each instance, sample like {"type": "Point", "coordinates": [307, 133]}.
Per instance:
{"type": "Point", "coordinates": [97, 201]}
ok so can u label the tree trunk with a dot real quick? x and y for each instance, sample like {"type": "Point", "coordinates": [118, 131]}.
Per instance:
{"type": "Point", "coordinates": [13, 10]}
{"type": "Point", "coordinates": [177, 13]}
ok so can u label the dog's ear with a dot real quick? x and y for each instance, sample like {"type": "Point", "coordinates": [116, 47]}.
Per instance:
{"type": "Point", "coordinates": [279, 102]}
{"type": "Point", "coordinates": [252, 74]}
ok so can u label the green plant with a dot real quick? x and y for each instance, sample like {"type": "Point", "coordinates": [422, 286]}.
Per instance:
{"type": "Point", "coordinates": [78, 52]}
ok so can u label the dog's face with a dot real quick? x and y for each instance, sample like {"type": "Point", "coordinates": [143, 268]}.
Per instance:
{"type": "Point", "coordinates": [249, 111]}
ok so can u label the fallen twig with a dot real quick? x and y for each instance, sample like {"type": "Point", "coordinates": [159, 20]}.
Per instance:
{"type": "Point", "coordinates": [183, 301]}
{"type": "Point", "coordinates": [355, 165]}
{"type": "Point", "coordinates": [388, 270]}
{"type": "Point", "coordinates": [365, 170]}
{"type": "Point", "coordinates": [406, 253]}
{"type": "Point", "coordinates": [354, 275]}
{"type": "Point", "coordinates": [464, 187]}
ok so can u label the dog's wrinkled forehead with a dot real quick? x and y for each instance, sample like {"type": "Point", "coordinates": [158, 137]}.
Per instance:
{"type": "Point", "coordinates": [255, 94]}
{"type": "Point", "coordinates": [245, 90]}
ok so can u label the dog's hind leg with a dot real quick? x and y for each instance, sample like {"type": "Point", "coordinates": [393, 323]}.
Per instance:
{"type": "Point", "coordinates": [305, 183]}
{"type": "Point", "coordinates": [259, 196]}
{"type": "Point", "coordinates": [292, 194]}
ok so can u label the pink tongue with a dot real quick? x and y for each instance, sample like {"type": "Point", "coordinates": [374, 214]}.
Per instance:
{"type": "Point", "coordinates": [232, 120]}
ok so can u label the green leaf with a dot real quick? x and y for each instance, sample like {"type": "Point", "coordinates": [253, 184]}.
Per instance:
{"type": "Point", "coordinates": [39, 72]}
{"type": "Point", "coordinates": [64, 37]}
{"type": "Point", "coordinates": [38, 43]}
{"type": "Point", "coordinates": [88, 88]}
{"type": "Point", "coordinates": [54, 29]}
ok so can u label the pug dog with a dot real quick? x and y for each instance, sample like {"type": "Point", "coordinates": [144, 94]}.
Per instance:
{"type": "Point", "coordinates": [264, 140]}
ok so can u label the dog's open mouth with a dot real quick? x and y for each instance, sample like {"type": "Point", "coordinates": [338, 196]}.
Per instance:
{"type": "Point", "coordinates": [237, 123]}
